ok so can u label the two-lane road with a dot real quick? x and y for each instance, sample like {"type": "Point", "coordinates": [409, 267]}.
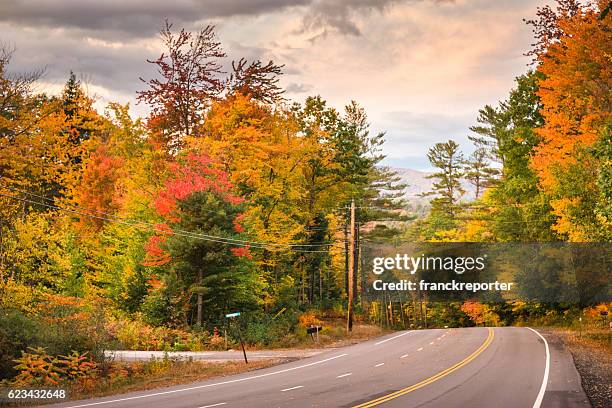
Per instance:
{"type": "Point", "coordinates": [477, 367]}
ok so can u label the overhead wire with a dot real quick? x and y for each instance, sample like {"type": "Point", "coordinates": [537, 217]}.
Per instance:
{"type": "Point", "coordinates": [156, 228]}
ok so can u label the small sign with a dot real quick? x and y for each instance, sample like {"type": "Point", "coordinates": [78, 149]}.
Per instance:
{"type": "Point", "coordinates": [314, 329]}
{"type": "Point", "coordinates": [235, 314]}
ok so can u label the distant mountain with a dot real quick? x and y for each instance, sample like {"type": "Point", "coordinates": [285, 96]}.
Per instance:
{"type": "Point", "coordinates": [418, 183]}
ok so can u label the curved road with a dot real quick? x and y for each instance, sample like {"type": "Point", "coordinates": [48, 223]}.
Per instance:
{"type": "Point", "coordinates": [477, 367]}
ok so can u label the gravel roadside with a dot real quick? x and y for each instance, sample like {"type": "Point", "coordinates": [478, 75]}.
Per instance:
{"type": "Point", "coordinates": [594, 364]}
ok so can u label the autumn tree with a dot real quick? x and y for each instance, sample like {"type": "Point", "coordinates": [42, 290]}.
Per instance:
{"type": "Point", "coordinates": [189, 81]}
{"type": "Point", "coordinates": [96, 192]}
{"type": "Point", "coordinates": [16, 92]}
{"type": "Point", "coordinates": [480, 313]}
{"type": "Point", "coordinates": [82, 132]}
{"type": "Point", "coordinates": [256, 79]}
{"type": "Point", "coordinates": [32, 153]}
{"type": "Point", "coordinates": [199, 244]}
{"type": "Point", "coordinates": [572, 38]}
{"type": "Point", "coordinates": [259, 149]}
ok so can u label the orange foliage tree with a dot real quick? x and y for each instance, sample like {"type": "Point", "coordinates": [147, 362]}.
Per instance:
{"type": "Point", "coordinates": [574, 53]}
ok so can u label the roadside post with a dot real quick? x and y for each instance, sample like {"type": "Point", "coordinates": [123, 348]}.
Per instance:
{"type": "Point", "coordinates": [233, 316]}
{"type": "Point", "coordinates": [604, 317]}
{"type": "Point", "coordinates": [314, 330]}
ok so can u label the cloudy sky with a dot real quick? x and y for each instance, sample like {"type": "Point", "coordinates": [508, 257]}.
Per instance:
{"type": "Point", "coordinates": [421, 68]}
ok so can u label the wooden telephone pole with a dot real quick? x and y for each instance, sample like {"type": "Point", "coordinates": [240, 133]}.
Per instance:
{"type": "Point", "coordinates": [351, 269]}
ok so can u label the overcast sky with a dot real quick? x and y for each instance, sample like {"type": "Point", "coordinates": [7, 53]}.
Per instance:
{"type": "Point", "coordinates": [421, 68]}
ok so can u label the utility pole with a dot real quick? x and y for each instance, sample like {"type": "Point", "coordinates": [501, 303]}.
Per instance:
{"type": "Point", "coordinates": [351, 270]}
{"type": "Point", "coordinates": [346, 256]}
{"type": "Point", "coordinates": [356, 263]}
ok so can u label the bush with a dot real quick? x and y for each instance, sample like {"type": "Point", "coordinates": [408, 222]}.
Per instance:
{"type": "Point", "coordinates": [267, 330]}
{"type": "Point", "coordinates": [61, 324]}
{"type": "Point", "coordinates": [157, 308]}
{"type": "Point", "coordinates": [308, 319]}
{"type": "Point", "coordinates": [137, 335]}
{"type": "Point", "coordinates": [19, 332]}
{"type": "Point", "coordinates": [37, 368]}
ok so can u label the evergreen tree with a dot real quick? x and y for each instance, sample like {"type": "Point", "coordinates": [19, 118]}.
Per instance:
{"type": "Point", "coordinates": [478, 172]}
{"type": "Point", "coordinates": [197, 203]}
{"type": "Point", "coordinates": [447, 188]}
{"type": "Point", "coordinates": [508, 132]}
{"type": "Point", "coordinates": [81, 119]}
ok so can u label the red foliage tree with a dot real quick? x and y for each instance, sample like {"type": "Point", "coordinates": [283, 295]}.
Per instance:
{"type": "Point", "coordinates": [96, 192]}
{"type": "Point", "coordinates": [189, 81]}
{"type": "Point", "coordinates": [192, 174]}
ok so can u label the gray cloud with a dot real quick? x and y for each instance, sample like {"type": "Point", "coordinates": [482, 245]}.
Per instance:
{"type": "Point", "coordinates": [142, 18]}
{"type": "Point", "coordinates": [134, 17]}
{"type": "Point", "coordinates": [338, 15]}
{"type": "Point", "coordinates": [296, 88]}
{"type": "Point", "coordinates": [116, 69]}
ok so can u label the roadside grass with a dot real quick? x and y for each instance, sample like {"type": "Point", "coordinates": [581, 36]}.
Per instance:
{"type": "Point", "coordinates": [594, 335]}
{"type": "Point", "coordinates": [333, 334]}
{"type": "Point", "coordinates": [141, 376]}
{"type": "Point", "coordinates": [595, 338]}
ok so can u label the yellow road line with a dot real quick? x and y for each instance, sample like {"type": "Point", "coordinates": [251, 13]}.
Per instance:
{"type": "Point", "coordinates": [431, 379]}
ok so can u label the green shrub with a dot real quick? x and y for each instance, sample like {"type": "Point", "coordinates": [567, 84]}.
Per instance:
{"type": "Point", "coordinates": [19, 332]}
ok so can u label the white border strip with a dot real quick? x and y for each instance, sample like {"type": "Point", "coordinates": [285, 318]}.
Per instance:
{"type": "Point", "coordinates": [394, 337]}
{"type": "Point", "coordinates": [207, 385]}
{"type": "Point", "coordinates": [293, 388]}
{"type": "Point", "coordinates": [540, 397]}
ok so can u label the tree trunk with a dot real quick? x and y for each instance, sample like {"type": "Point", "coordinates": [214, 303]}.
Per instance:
{"type": "Point", "coordinates": [199, 317]}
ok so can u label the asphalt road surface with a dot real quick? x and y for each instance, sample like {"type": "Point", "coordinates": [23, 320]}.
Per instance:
{"type": "Point", "coordinates": [476, 367]}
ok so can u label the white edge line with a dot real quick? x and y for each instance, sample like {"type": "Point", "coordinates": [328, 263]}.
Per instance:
{"type": "Point", "coordinates": [420, 349]}
{"type": "Point", "coordinates": [379, 364]}
{"type": "Point", "coordinates": [540, 397]}
{"type": "Point", "coordinates": [392, 338]}
{"type": "Point", "coordinates": [404, 356]}
{"type": "Point", "coordinates": [214, 405]}
{"type": "Point", "coordinates": [293, 388]}
{"type": "Point", "coordinates": [344, 375]}
{"type": "Point", "coordinates": [207, 385]}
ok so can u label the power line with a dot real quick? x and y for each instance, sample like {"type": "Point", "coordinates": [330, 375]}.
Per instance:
{"type": "Point", "coordinates": [106, 215]}
{"type": "Point", "coordinates": [183, 233]}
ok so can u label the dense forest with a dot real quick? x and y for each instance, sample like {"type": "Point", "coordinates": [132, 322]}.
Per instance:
{"type": "Point", "coordinates": [143, 233]}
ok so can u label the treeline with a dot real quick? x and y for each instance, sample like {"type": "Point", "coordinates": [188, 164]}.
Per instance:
{"type": "Point", "coordinates": [227, 197]}
{"type": "Point", "coordinates": [541, 165]}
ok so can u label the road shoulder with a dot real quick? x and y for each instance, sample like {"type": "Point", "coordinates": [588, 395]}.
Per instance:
{"type": "Point", "coordinates": [564, 388]}
{"type": "Point", "coordinates": [593, 364]}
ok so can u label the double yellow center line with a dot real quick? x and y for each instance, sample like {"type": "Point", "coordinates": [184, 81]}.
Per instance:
{"type": "Point", "coordinates": [431, 379]}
